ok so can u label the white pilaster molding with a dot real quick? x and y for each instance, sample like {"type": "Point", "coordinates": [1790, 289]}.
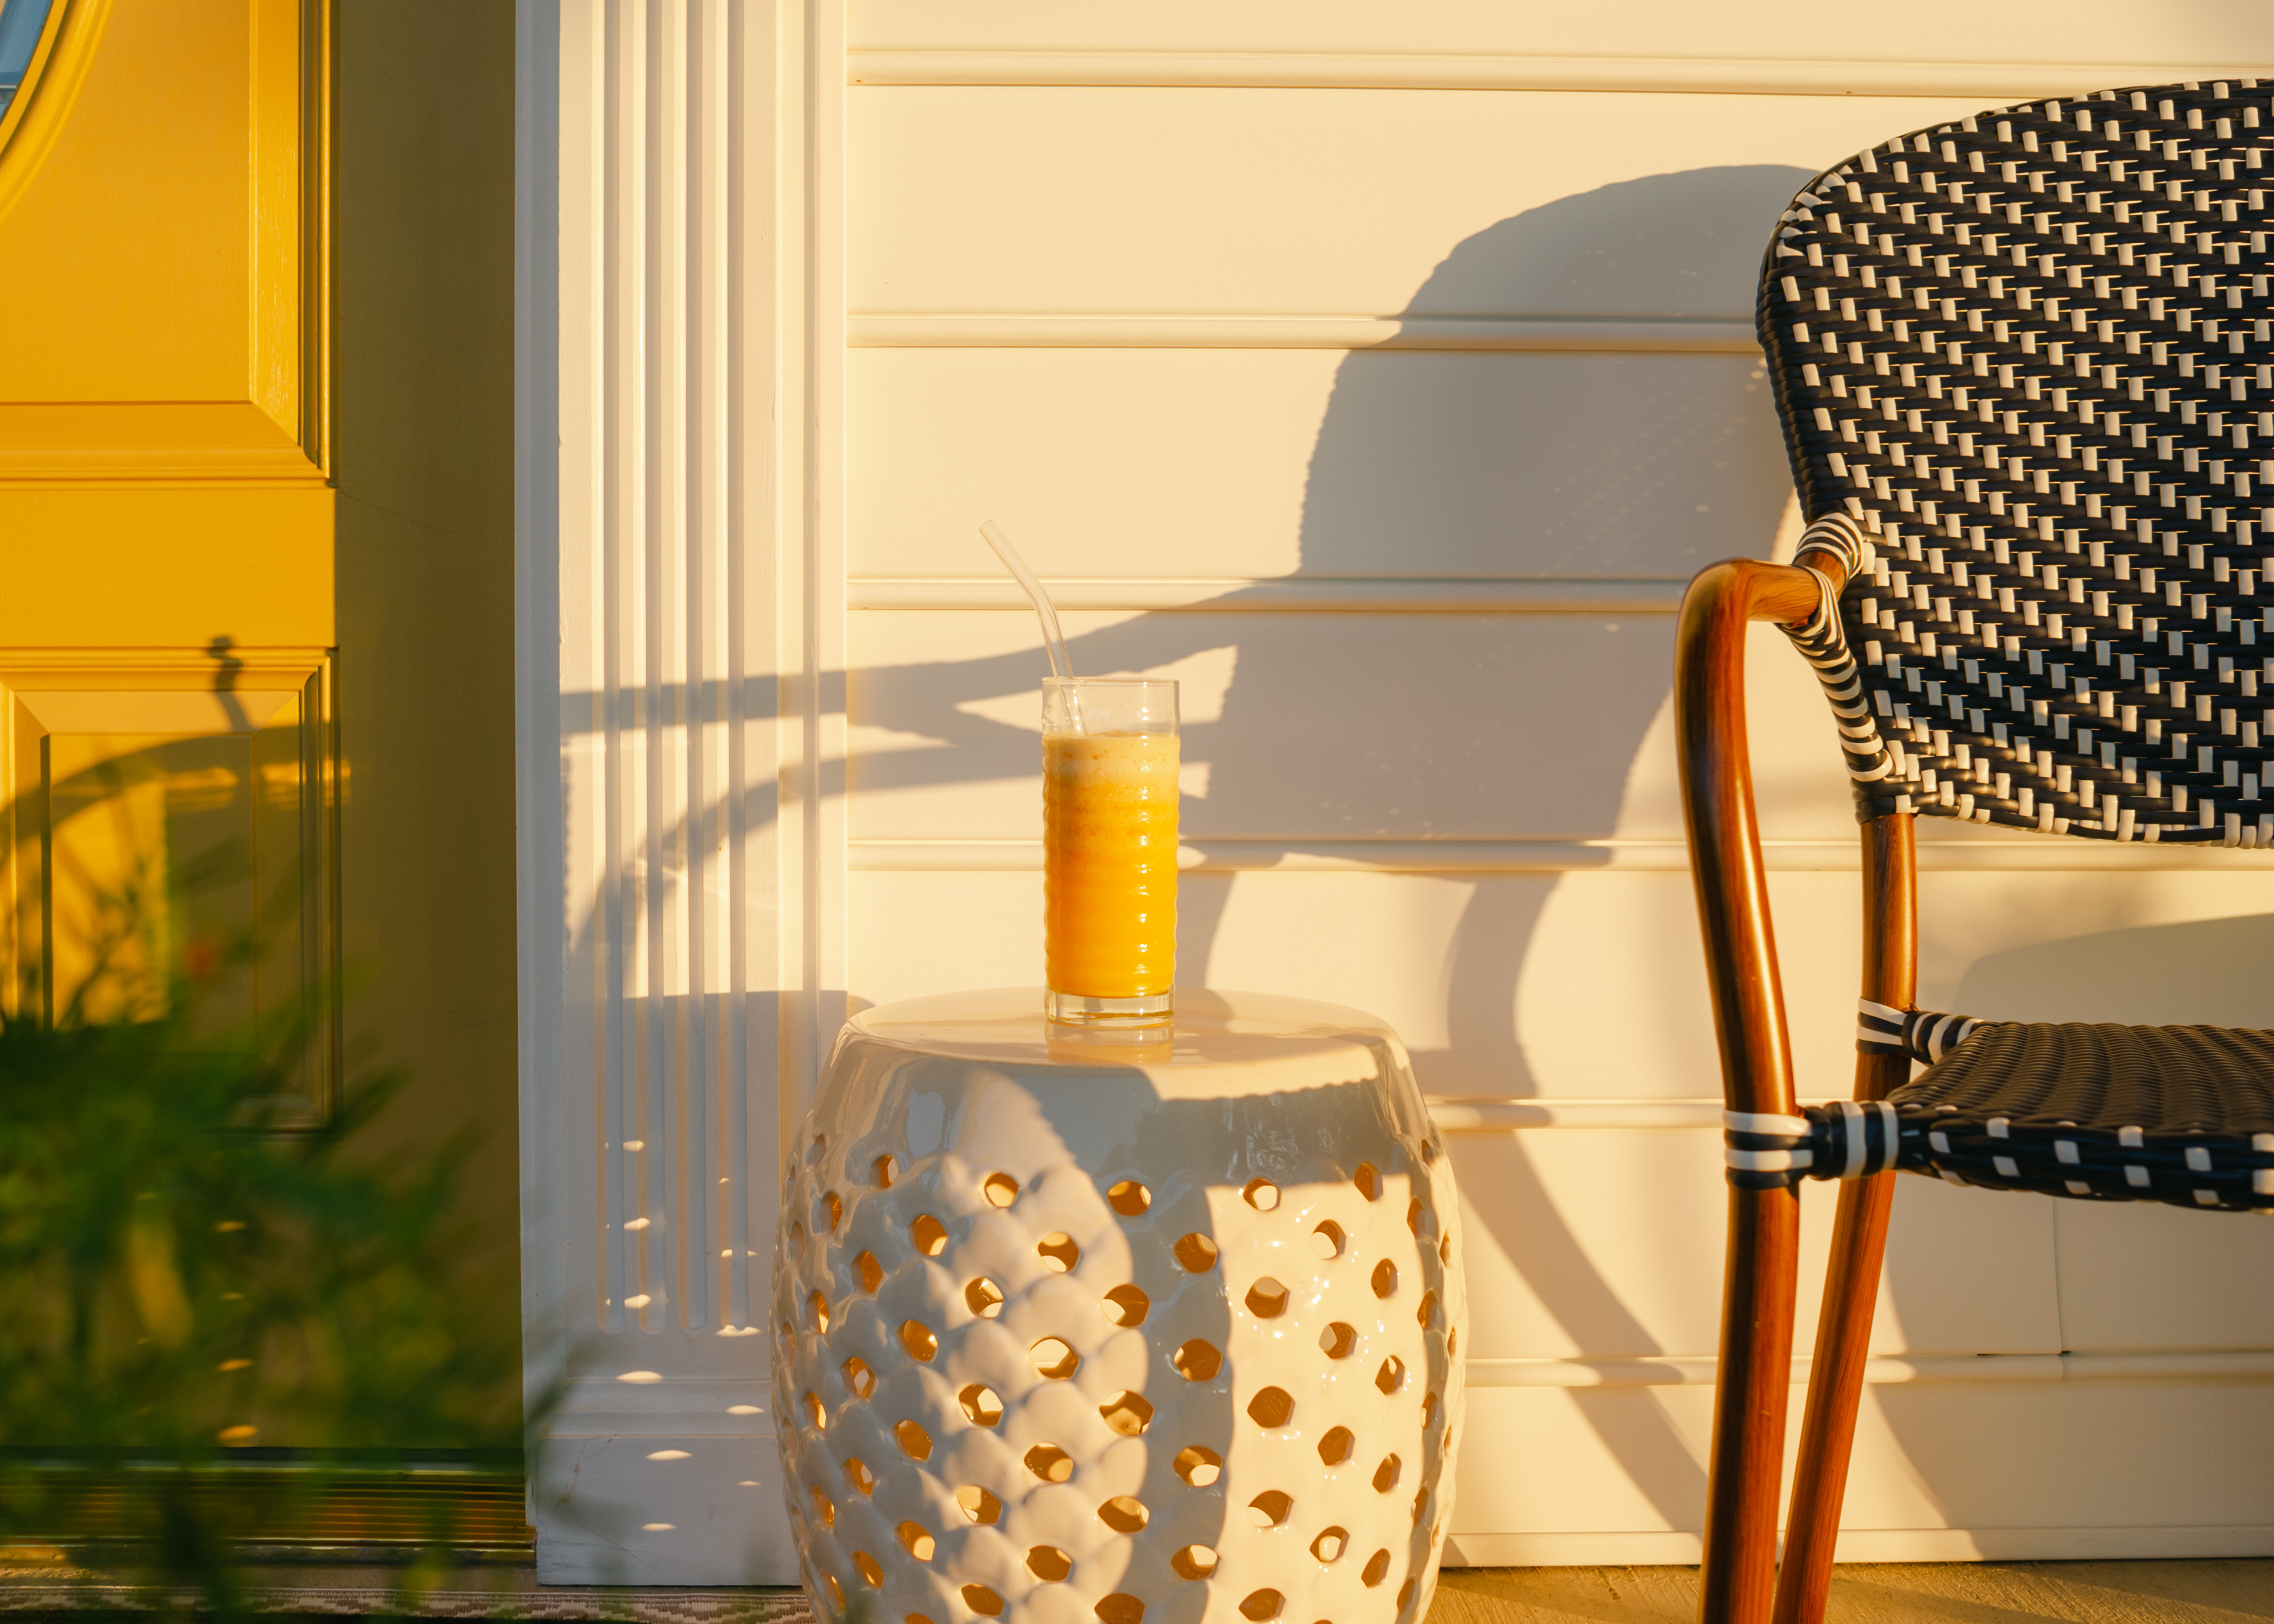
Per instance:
{"type": "Point", "coordinates": [679, 660]}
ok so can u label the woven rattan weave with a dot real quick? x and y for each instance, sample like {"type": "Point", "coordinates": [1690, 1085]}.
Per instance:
{"type": "Point", "coordinates": [2026, 382]}
{"type": "Point", "coordinates": [2029, 353]}
{"type": "Point", "coordinates": [2183, 1115]}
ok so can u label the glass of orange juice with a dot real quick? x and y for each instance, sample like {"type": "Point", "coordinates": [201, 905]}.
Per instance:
{"type": "Point", "coordinates": [1109, 750]}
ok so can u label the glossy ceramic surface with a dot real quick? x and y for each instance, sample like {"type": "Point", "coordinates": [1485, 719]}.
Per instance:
{"type": "Point", "coordinates": [1077, 1327]}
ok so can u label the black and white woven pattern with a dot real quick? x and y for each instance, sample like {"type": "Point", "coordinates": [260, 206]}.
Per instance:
{"type": "Point", "coordinates": [2182, 1114]}
{"type": "Point", "coordinates": [1921, 1034]}
{"type": "Point", "coordinates": [2027, 357]}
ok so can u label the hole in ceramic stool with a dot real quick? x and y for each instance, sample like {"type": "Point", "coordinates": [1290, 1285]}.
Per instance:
{"type": "Point", "coordinates": [983, 1297]}
{"type": "Point", "coordinates": [1126, 1305]}
{"type": "Point", "coordinates": [1127, 1414]}
{"type": "Point", "coordinates": [1123, 1515]}
{"type": "Point", "coordinates": [981, 1404]}
{"type": "Point", "coordinates": [925, 1618]}
{"type": "Point", "coordinates": [1048, 1564]}
{"type": "Point", "coordinates": [870, 1272]}
{"type": "Point", "coordinates": [1049, 1462]}
{"type": "Point", "coordinates": [1445, 1250]}
{"type": "Point", "coordinates": [1392, 1376]}
{"type": "Point", "coordinates": [1261, 1604]}
{"type": "Point", "coordinates": [1196, 1252]}
{"type": "Point", "coordinates": [886, 1168]}
{"type": "Point", "coordinates": [915, 1442]}
{"type": "Point", "coordinates": [1428, 1410]}
{"type": "Point", "coordinates": [1413, 1211]}
{"type": "Point", "coordinates": [982, 1600]}
{"type": "Point", "coordinates": [1119, 1608]}
{"type": "Point", "coordinates": [978, 1505]}
{"type": "Point", "coordinates": [1338, 1341]}
{"type": "Point", "coordinates": [1420, 1501]}
{"type": "Point", "coordinates": [918, 1340]}
{"type": "Point", "coordinates": [857, 1474]}
{"type": "Point", "coordinates": [1000, 1189]}
{"type": "Point", "coordinates": [1386, 1475]}
{"type": "Point", "coordinates": [1129, 1198]}
{"type": "Point", "coordinates": [860, 1380]}
{"type": "Point", "coordinates": [1058, 1251]}
{"type": "Point", "coordinates": [836, 1590]}
{"type": "Point", "coordinates": [928, 1235]}
{"type": "Point", "coordinates": [1427, 1315]}
{"type": "Point", "coordinates": [814, 1413]}
{"type": "Point", "coordinates": [1269, 1509]}
{"type": "Point", "coordinates": [1385, 1278]}
{"type": "Point", "coordinates": [1452, 1342]}
{"type": "Point", "coordinates": [1327, 1548]}
{"type": "Point", "coordinates": [823, 1507]}
{"type": "Point", "coordinates": [1405, 1593]}
{"type": "Point", "coordinates": [1197, 1360]}
{"type": "Point", "coordinates": [916, 1540]}
{"type": "Point", "coordinates": [1377, 1568]}
{"type": "Point", "coordinates": [1193, 1563]}
{"type": "Point", "coordinates": [816, 1312]}
{"type": "Point", "coordinates": [1273, 1407]}
{"type": "Point", "coordinates": [871, 1570]}
{"type": "Point", "coordinates": [833, 1210]}
{"type": "Point", "coordinates": [1262, 1194]}
{"type": "Point", "coordinates": [1199, 1465]}
{"type": "Point", "coordinates": [1335, 1447]}
{"type": "Point", "coordinates": [1053, 1359]}
{"type": "Point", "coordinates": [1267, 1298]}
{"type": "Point", "coordinates": [1368, 1180]}
{"type": "Point", "coordinates": [1328, 1239]}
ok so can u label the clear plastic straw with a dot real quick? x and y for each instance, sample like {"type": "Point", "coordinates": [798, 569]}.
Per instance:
{"type": "Point", "coordinates": [1053, 639]}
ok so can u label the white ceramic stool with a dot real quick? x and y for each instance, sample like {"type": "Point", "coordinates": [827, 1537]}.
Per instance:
{"type": "Point", "coordinates": [1073, 1331]}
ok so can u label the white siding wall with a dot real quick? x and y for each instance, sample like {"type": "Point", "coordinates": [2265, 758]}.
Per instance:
{"type": "Point", "coordinates": [1381, 371]}
{"type": "Point", "coordinates": [1108, 273]}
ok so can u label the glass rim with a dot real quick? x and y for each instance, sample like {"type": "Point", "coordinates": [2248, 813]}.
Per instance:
{"type": "Point", "coordinates": [1110, 681]}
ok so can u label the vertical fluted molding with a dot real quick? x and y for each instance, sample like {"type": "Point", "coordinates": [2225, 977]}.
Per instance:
{"type": "Point", "coordinates": [680, 660]}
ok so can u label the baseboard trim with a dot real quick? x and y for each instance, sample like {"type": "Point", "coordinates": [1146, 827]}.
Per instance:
{"type": "Point", "coordinates": [1656, 1547]}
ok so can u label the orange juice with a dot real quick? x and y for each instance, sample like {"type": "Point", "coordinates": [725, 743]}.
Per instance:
{"type": "Point", "coordinates": [1109, 863]}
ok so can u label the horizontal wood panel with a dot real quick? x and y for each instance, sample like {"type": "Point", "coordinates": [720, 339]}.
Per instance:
{"type": "Point", "coordinates": [1326, 726]}
{"type": "Point", "coordinates": [1952, 34]}
{"type": "Point", "coordinates": [1329, 727]}
{"type": "Point", "coordinates": [1676, 335]}
{"type": "Point", "coordinates": [1941, 1472]}
{"type": "Point", "coordinates": [1994, 83]}
{"type": "Point", "coordinates": [1330, 203]}
{"type": "Point", "coordinates": [1181, 462]}
{"type": "Point", "coordinates": [1589, 986]}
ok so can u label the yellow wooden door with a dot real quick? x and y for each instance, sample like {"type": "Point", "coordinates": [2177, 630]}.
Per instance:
{"type": "Point", "coordinates": [166, 509]}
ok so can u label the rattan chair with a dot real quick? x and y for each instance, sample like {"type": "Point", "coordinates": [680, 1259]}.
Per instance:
{"type": "Point", "coordinates": [2027, 385]}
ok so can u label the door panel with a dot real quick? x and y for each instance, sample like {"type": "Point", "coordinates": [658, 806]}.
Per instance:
{"type": "Point", "coordinates": [167, 516]}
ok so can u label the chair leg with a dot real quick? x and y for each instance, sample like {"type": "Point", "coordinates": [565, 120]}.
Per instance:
{"type": "Point", "coordinates": [1737, 1578]}
{"type": "Point", "coordinates": [1859, 1239]}
{"type": "Point", "coordinates": [1835, 1385]}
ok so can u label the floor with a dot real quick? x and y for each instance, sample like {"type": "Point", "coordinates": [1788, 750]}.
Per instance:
{"type": "Point", "coordinates": [2201, 1592]}
{"type": "Point", "coordinates": [2198, 1592]}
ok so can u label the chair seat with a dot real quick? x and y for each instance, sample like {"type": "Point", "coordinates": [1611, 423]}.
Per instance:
{"type": "Point", "coordinates": [2177, 1114]}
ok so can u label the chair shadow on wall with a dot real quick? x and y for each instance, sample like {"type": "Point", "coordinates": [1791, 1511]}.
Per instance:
{"type": "Point", "coordinates": [1468, 465]}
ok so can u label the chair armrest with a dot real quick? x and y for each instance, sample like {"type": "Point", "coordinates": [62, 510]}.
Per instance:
{"type": "Point", "coordinates": [1717, 803]}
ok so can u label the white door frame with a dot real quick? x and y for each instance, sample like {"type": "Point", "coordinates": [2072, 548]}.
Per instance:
{"type": "Point", "coordinates": [680, 728]}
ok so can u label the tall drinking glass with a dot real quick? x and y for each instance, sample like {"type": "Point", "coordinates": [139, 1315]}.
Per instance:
{"type": "Point", "coordinates": [1109, 750]}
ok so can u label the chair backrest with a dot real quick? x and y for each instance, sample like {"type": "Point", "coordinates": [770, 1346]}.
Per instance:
{"type": "Point", "coordinates": [2028, 355]}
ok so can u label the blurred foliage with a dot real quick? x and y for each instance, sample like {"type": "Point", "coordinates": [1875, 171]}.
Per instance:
{"type": "Point", "coordinates": [189, 1268]}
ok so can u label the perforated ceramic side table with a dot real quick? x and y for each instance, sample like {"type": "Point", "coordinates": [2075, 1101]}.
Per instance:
{"type": "Point", "coordinates": [1106, 1332]}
